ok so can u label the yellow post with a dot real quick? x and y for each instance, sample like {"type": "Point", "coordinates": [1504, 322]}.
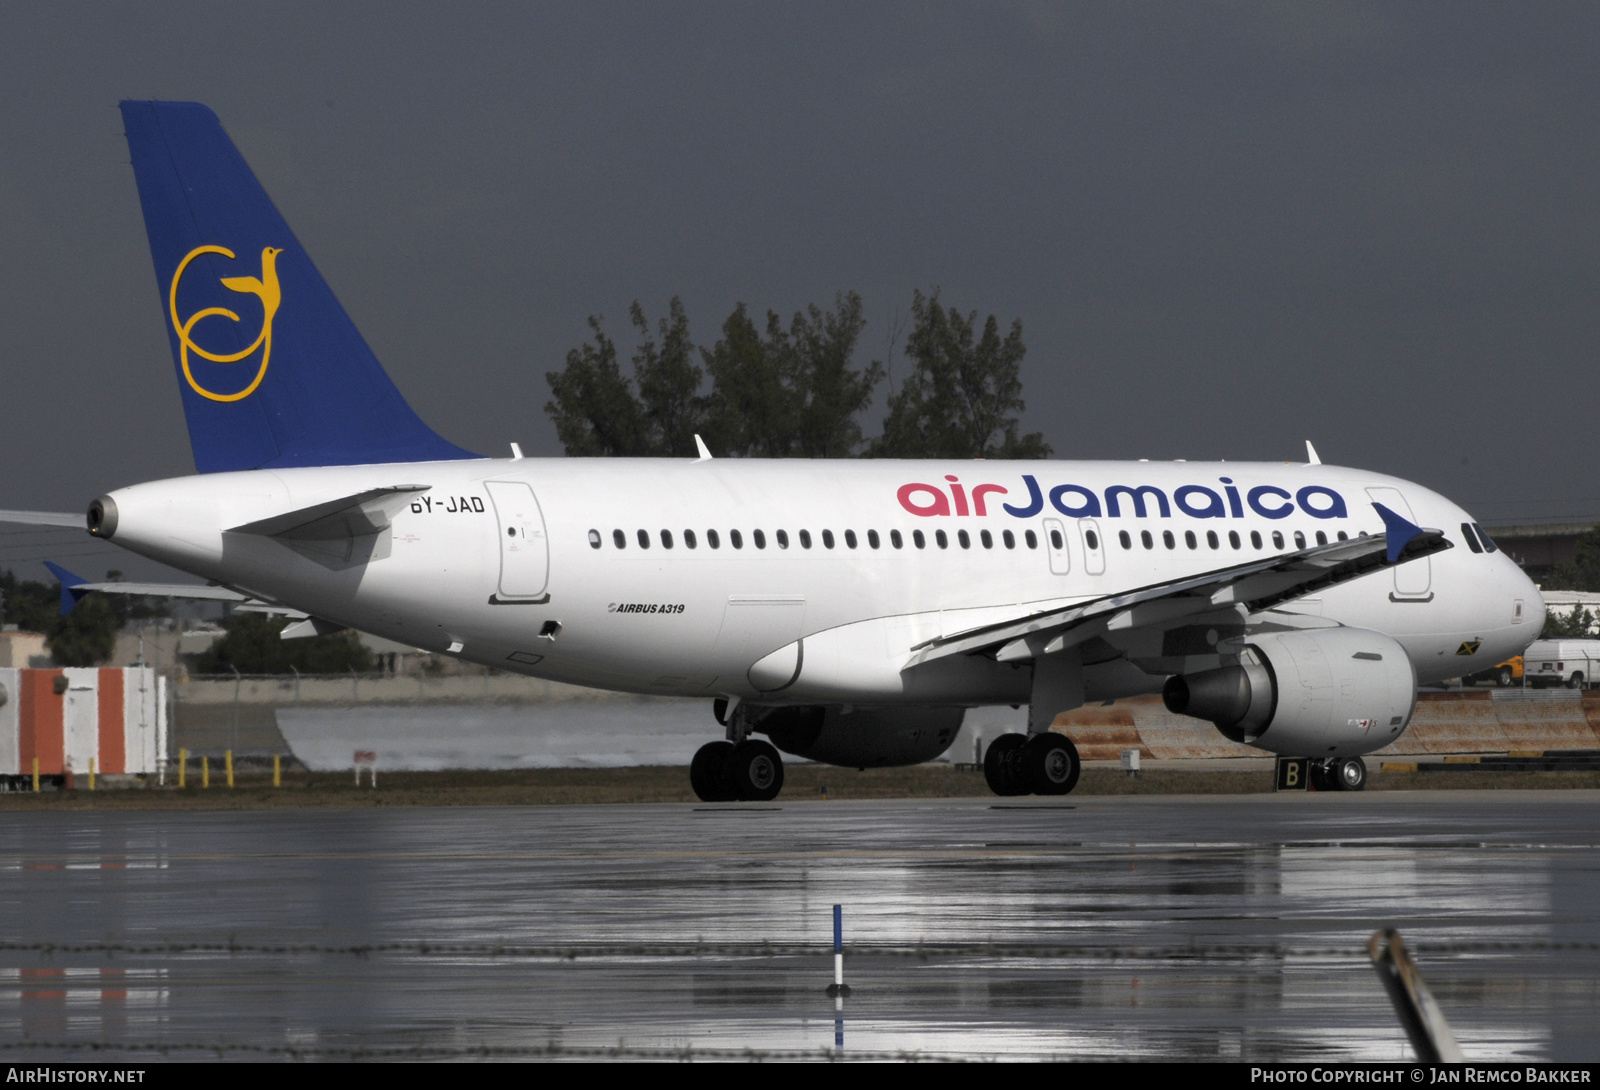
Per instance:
{"type": "Point", "coordinates": [205, 771]}
{"type": "Point", "coordinates": [91, 773]}
{"type": "Point", "coordinates": [36, 775]}
{"type": "Point", "coordinates": [183, 766]}
{"type": "Point", "coordinates": [228, 756]}
{"type": "Point", "coordinates": [277, 770]}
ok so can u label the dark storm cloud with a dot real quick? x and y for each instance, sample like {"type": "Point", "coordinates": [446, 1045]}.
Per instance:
{"type": "Point", "coordinates": [1226, 227]}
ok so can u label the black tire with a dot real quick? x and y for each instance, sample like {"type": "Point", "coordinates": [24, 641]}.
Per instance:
{"type": "Point", "coordinates": [1049, 764]}
{"type": "Point", "coordinates": [1000, 763]}
{"type": "Point", "coordinates": [1575, 681]}
{"type": "Point", "coordinates": [1504, 678]}
{"type": "Point", "coordinates": [1348, 774]}
{"type": "Point", "coordinates": [708, 772]}
{"type": "Point", "coordinates": [754, 771]}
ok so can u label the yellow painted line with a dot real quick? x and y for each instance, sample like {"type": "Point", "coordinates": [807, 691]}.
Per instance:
{"type": "Point", "coordinates": [1462, 760]}
{"type": "Point", "coordinates": [1398, 766]}
{"type": "Point", "coordinates": [1526, 753]}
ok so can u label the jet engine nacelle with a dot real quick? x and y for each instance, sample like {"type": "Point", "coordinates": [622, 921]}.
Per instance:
{"type": "Point", "coordinates": [1328, 692]}
{"type": "Point", "coordinates": [862, 738]}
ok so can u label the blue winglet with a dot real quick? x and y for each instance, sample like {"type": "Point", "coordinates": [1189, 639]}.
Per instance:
{"type": "Point", "coordinates": [1397, 531]}
{"type": "Point", "coordinates": [70, 594]}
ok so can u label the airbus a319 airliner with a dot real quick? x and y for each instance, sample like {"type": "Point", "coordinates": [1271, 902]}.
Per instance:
{"type": "Point", "coordinates": [848, 611]}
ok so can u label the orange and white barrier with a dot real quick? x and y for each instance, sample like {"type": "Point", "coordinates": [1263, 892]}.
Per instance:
{"type": "Point", "coordinates": [114, 716]}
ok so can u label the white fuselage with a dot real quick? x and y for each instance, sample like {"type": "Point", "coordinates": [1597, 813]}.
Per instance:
{"type": "Point", "coordinates": [451, 575]}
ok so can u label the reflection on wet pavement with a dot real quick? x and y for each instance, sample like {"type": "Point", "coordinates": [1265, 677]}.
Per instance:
{"type": "Point", "coordinates": [1105, 927]}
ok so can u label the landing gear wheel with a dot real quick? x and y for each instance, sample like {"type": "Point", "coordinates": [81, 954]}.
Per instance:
{"type": "Point", "coordinates": [754, 771]}
{"type": "Point", "coordinates": [1049, 764]}
{"type": "Point", "coordinates": [708, 772]}
{"type": "Point", "coordinates": [1000, 765]}
{"type": "Point", "coordinates": [1348, 774]}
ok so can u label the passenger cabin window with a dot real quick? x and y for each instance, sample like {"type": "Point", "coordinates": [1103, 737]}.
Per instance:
{"type": "Point", "coordinates": [1122, 536]}
{"type": "Point", "coordinates": [759, 537]}
{"type": "Point", "coordinates": [942, 538]}
{"type": "Point", "coordinates": [666, 539]}
{"type": "Point", "coordinates": [1299, 539]}
{"type": "Point", "coordinates": [1277, 539]}
{"type": "Point", "coordinates": [594, 539]}
{"type": "Point", "coordinates": [1322, 538]}
{"type": "Point", "coordinates": [644, 539]}
{"type": "Point", "coordinates": [688, 539]}
{"type": "Point", "coordinates": [1146, 540]}
{"type": "Point", "coordinates": [918, 540]}
{"type": "Point", "coordinates": [783, 538]}
{"type": "Point", "coordinates": [1031, 538]}
{"type": "Point", "coordinates": [896, 540]}
{"type": "Point", "coordinates": [827, 539]}
{"type": "Point", "coordinates": [736, 539]}
{"type": "Point", "coordinates": [1092, 538]}
{"type": "Point", "coordinates": [872, 539]}
{"type": "Point", "coordinates": [1211, 539]}
{"type": "Point", "coordinates": [1009, 538]}
{"type": "Point", "coordinates": [1190, 540]}
{"type": "Point", "coordinates": [619, 539]}
{"type": "Point", "coordinates": [1255, 539]}
{"type": "Point", "coordinates": [712, 540]}
{"type": "Point", "coordinates": [1471, 537]}
{"type": "Point", "coordinates": [987, 538]}
{"type": "Point", "coordinates": [1233, 538]}
{"type": "Point", "coordinates": [1168, 540]}
{"type": "Point", "coordinates": [1055, 539]}
{"type": "Point", "coordinates": [964, 539]}
{"type": "Point", "coordinates": [1343, 536]}
{"type": "Point", "coordinates": [850, 538]}
{"type": "Point", "coordinates": [805, 539]}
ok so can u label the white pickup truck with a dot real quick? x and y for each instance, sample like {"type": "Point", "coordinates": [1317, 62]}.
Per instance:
{"type": "Point", "coordinates": [1573, 663]}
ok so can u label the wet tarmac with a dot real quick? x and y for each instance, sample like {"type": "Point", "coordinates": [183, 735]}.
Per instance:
{"type": "Point", "coordinates": [1120, 927]}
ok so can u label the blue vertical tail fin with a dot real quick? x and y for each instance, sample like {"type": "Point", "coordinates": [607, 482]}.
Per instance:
{"type": "Point", "coordinates": [271, 369]}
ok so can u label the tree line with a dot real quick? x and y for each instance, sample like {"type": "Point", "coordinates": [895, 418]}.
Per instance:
{"type": "Point", "coordinates": [795, 389]}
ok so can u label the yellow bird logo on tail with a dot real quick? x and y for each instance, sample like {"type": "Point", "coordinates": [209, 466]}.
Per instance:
{"type": "Point", "coordinates": [265, 288]}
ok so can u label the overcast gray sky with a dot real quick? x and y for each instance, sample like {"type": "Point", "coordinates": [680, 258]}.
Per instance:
{"type": "Point", "coordinates": [1226, 227]}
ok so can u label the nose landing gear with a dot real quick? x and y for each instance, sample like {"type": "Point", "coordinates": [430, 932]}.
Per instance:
{"type": "Point", "coordinates": [749, 771]}
{"type": "Point", "coordinates": [1339, 774]}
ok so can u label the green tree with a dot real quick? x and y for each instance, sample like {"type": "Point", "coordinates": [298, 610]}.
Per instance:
{"type": "Point", "coordinates": [252, 646]}
{"type": "Point", "coordinates": [669, 382]}
{"type": "Point", "coordinates": [85, 637]}
{"type": "Point", "coordinates": [600, 411]}
{"type": "Point", "coordinates": [964, 395]}
{"type": "Point", "coordinates": [795, 392]}
{"type": "Point", "coordinates": [1577, 624]}
{"type": "Point", "coordinates": [1583, 571]}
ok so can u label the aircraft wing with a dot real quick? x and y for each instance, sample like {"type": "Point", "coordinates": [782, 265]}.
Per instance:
{"type": "Point", "coordinates": [44, 518]}
{"type": "Point", "coordinates": [1257, 585]}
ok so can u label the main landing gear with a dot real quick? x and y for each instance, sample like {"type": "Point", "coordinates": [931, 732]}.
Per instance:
{"type": "Point", "coordinates": [747, 771]}
{"type": "Point", "coordinates": [1339, 774]}
{"type": "Point", "coordinates": [1034, 764]}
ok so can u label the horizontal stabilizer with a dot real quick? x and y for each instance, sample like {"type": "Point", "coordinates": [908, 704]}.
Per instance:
{"type": "Point", "coordinates": [44, 518]}
{"type": "Point", "coordinates": [348, 516]}
{"type": "Point", "coordinates": [74, 587]}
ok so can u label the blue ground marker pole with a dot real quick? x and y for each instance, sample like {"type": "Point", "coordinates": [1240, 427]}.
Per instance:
{"type": "Point", "coordinates": [838, 989]}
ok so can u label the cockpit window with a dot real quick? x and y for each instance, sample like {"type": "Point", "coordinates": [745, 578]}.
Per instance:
{"type": "Point", "coordinates": [1471, 536]}
{"type": "Point", "coordinates": [1488, 542]}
